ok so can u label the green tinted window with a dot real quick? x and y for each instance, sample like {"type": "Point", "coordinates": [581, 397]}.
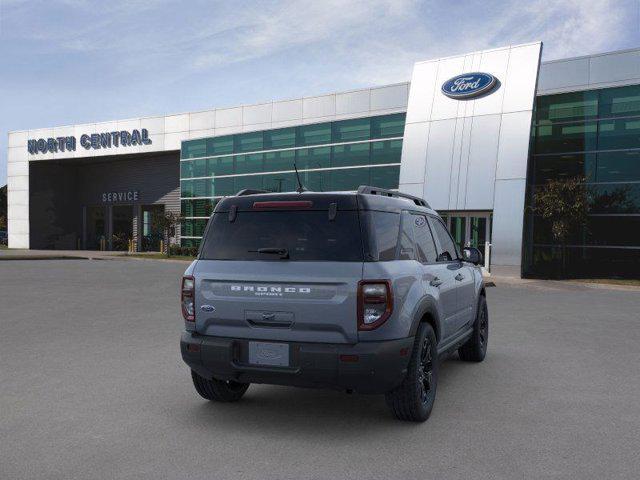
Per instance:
{"type": "Point", "coordinates": [280, 182]}
{"type": "Point", "coordinates": [605, 151]}
{"type": "Point", "coordinates": [219, 187]}
{"type": "Point", "coordinates": [316, 181]}
{"type": "Point", "coordinates": [200, 188]}
{"type": "Point", "coordinates": [220, 166]}
{"type": "Point", "coordinates": [567, 107]}
{"type": "Point", "coordinates": [618, 166]}
{"type": "Point", "coordinates": [194, 188]}
{"type": "Point", "coordinates": [388, 151]}
{"type": "Point", "coordinates": [252, 182]}
{"type": "Point", "coordinates": [197, 208]}
{"type": "Point", "coordinates": [220, 145]}
{"type": "Point", "coordinates": [352, 130]}
{"type": "Point", "coordinates": [575, 137]}
{"type": "Point", "coordinates": [194, 168]}
{"type": "Point", "coordinates": [615, 198]}
{"type": "Point", "coordinates": [620, 102]}
{"type": "Point", "coordinates": [388, 126]}
{"type": "Point", "coordinates": [186, 188]}
{"type": "Point", "coordinates": [346, 179]}
{"type": "Point", "coordinates": [248, 142]}
{"type": "Point", "coordinates": [276, 161]}
{"type": "Point", "coordinates": [319, 157]}
{"type": "Point", "coordinates": [186, 169]}
{"type": "Point", "coordinates": [313, 134]}
{"type": "Point", "coordinates": [193, 227]}
{"type": "Point", "coordinates": [615, 134]}
{"type": "Point", "coordinates": [549, 167]}
{"type": "Point", "coordinates": [280, 138]}
{"type": "Point", "coordinates": [385, 177]}
{"type": "Point", "coordinates": [194, 148]}
{"type": "Point", "coordinates": [249, 163]}
{"type": "Point", "coordinates": [347, 155]}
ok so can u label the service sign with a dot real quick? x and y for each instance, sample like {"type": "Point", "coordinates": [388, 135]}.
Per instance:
{"type": "Point", "coordinates": [119, 197]}
{"type": "Point", "coordinates": [469, 85]}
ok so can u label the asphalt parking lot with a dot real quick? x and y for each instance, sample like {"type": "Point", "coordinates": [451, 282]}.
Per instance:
{"type": "Point", "coordinates": [92, 386]}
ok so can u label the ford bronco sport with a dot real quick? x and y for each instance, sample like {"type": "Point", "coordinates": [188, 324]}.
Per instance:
{"type": "Point", "coordinates": [360, 292]}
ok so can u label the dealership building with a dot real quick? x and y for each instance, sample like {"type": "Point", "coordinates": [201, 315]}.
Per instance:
{"type": "Point", "coordinates": [476, 135]}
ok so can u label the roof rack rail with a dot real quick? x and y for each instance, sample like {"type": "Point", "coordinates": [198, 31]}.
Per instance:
{"type": "Point", "coordinates": [366, 189]}
{"type": "Point", "coordinates": [250, 191]}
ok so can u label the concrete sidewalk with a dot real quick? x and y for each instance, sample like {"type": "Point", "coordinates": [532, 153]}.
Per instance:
{"type": "Point", "coordinates": [22, 254]}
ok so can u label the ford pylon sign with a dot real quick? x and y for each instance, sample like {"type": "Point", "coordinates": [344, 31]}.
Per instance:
{"type": "Point", "coordinates": [469, 85]}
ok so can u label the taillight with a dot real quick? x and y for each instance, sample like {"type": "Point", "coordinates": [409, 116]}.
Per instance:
{"type": "Point", "coordinates": [187, 298]}
{"type": "Point", "coordinates": [375, 303]}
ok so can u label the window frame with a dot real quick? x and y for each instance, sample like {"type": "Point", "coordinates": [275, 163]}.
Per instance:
{"type": "Point", "coordinates": [415, 240]}
{"type": "Point", "coordinates": [439, 247]}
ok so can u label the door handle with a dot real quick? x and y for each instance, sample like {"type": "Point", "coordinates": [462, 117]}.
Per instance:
{"type": "Point", "coordinates": [459, 277]}
{"type": "Point", "coordinates": [436, 282]}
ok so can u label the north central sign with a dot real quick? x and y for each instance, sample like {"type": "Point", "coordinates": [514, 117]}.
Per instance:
{"type": "Point", "coordinates": [93, 141]}
{"type": "Point", "coordinates": [469, 85]}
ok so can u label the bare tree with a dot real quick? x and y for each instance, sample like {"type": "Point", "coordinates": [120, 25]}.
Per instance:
{"type": "Point", "coordinates": [166, 222]}
{"type": "Point", "coordinates": [565, 204]}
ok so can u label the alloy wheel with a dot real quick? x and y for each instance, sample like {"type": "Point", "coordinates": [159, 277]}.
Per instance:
{"type": "Point", "coordinates": [425, 375]}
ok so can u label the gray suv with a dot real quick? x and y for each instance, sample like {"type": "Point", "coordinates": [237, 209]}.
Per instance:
{"type": "Point", "coordinates": [359, 292]}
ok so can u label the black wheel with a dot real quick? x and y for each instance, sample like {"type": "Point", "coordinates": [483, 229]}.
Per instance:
{"type": "Point", "coordinates": [218, 390]}
{"type": "Point", "coordinates": [414, 398]}
{"type": "Point", "coordinates": [476, 347]}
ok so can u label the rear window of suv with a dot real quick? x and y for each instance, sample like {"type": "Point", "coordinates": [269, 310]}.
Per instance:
{"type": "Point", "coordinates": [306, 235]}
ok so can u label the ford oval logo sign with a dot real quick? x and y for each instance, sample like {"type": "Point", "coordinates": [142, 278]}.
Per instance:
{"type": "Point", "coordinates": [469, 85]}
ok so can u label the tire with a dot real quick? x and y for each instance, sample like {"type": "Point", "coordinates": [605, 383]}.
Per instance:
{"type": "Point", "coordinates": [475, 349]}
{"type": "Point", "coordinates": [218, 390]}
{"type": "Point", "coordinates": [413, 400]}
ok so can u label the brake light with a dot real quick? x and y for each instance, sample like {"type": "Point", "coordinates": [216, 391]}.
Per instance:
{"type": "Point", "coordinates": [282, 204]}
{"type": "Point", "coordinates": [187, 298]}
{"type": "Point", "coordinates": [375, 303]}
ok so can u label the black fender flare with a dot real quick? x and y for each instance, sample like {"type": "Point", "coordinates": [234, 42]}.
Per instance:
{"type": "Point", "coordinates": [427, 305]}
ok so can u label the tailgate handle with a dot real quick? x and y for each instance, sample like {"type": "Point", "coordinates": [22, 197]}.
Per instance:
{"type": "Point", "coordinates": [269, 319]}
{"type": "Point", "coordinates": [270, 323]}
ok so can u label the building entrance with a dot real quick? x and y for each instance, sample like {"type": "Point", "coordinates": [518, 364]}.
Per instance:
{"type": "Point", "coordinates": [470, 229]}
{"type": "Point", "coordinates": [95, 227]}
{"type": "Point", "coordinates": [151, 233]}
{"type": "Point", "coordinates": [121, 227]}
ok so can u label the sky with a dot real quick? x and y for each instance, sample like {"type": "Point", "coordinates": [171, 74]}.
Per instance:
{"type": "Point", "coordinates": [65, 62]}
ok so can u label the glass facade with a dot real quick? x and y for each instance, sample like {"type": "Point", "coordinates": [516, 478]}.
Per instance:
{"type": "Point", "coordinates": [593, 135]}
{"type": "Point", "coordinates": [330, 156]}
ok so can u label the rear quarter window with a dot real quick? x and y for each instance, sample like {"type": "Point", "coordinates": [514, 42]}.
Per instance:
{"type": "Point", "coordinates": [382, 232]}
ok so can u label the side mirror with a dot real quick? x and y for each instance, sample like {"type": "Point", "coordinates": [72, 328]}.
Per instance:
{"type": "Point", "coordinates": [472, 255]}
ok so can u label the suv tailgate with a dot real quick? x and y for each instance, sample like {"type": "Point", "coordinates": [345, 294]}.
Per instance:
{"type": "Point", "coordinates": [278, 300]}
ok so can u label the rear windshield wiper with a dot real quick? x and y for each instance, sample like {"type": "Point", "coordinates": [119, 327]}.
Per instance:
{"type": "Point", "coordinates": [283, 252]}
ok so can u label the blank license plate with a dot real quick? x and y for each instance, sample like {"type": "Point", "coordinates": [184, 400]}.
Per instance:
{"type": "Point", "coordinates": [274, 354]}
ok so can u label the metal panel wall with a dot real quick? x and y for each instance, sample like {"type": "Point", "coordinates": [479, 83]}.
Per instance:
{"type": "Point", "coordinates": [595, 71]}
{"type": "Point", "coordinates": [476, 149]}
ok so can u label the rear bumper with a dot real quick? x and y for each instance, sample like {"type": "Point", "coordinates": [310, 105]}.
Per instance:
{"type": "Point", "coordinates": [370, 367]}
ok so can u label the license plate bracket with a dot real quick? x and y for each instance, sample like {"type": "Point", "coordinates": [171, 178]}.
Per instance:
{"type": "Point", "coordinates": [269, 354]}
